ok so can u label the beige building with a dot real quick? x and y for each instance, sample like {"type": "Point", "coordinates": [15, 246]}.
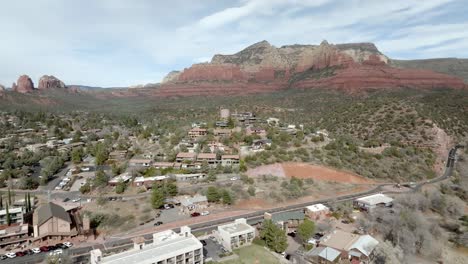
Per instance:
{"type": "Point", "coordinates": [51, 220]}
{"type": "Point", "coordinates": [317, 211]}
{"type": "Point", "coordinates": [168, 247]}
{"type": "Point", "coordinates": [16, 215]}
{"type": "Point", "coordinates": [235, 235]}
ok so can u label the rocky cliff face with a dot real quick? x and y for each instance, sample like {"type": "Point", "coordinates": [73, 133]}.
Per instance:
{"type": "Point", "coordinates": [49, 81]}
{"type": "Point", "coordinates": [263, 67]}
{"type": "Point", "coordinates": [23, 85]}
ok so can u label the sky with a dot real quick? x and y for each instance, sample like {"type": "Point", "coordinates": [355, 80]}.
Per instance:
{"type": "Point", "coordinates": [115, 43]}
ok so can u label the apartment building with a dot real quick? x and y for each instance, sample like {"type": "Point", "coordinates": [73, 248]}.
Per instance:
{"type": "Point", "coordinates": [235, 235]}
{"type": "Point", "coordinates": [16, 215]}
{"type": "Point", "coordinates": [168, 247]}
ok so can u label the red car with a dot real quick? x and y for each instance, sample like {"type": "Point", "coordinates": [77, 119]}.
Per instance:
{"type": "Point", "coordinates": [44, 248]}
{"type": "Point", "coordinates": [20, 254]}
{"type": "Point", "coordinates": [195, 214]}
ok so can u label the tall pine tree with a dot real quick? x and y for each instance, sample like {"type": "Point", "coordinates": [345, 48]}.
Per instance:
{"type": "Point", "coordinates": [8, 218]}
{"type": "Point", "coordinates": [1, 201]}
{"type": "Point", "coordinates": [9, 196]}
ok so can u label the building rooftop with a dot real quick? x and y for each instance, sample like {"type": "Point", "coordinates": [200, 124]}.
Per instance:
{"type": "Point", "coordinates": [49, 210]}
{"type": "Point", "coordinates": [207, 156]}
{"type": "Point", "coordinates": [342, 240]}
{"type": "Point", "coordinates": [316, 207]}
{"type": "Point", "coordinates": [375, 199]}
{"type": "Point", "coordinates": [164, 249]}
{"type": "Point", "coordinates": [186, 155]}
{"type": "Point", "coordinates": [230, 157]}
{"type": "Point", "coordinates": [13, 210]}
{"type": "Point", "coordinates": [327, 253]}
{"type": "Point", "coordinates": [239, 226]}
{"type": "Point", "coordinates": [286, 216]}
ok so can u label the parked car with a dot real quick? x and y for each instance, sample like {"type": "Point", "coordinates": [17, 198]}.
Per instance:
{"type": "Point", "coordinates": [76, 200]}
{"type": "Point", "coordinates": [28, 252]}
{"type": "Point", "coordinates": [158, 223]}
{"type": "Point", "coordinates": [205, 213]}
{"type": "Point", "coordinates": [2, 257]}
{"type": "Point", "coordinates": [51, 248]}
{"type": "Point", "coordinates": [61, 245]}
{"type": "Point", "coordinates": [234, 179]}
{"type": "Point", "coordinates": [68, 244]}
{"type": "Point", "coordinates": [20, 254]}
{"type": "Point", "coordinates": [44, 248]}
{"type": "Point", "coordinates": [36, 250]}
{"type": "Point", "coordinates": [195, 214]}
{"type": "Point", "coordinates": [11, 255]}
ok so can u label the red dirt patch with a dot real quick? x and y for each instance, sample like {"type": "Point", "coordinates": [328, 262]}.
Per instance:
{"type": "Point", "coordinates": [308, 171]}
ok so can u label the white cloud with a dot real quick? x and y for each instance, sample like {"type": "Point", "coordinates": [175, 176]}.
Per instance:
{"type": "Point", "coordinates": [120, 42]}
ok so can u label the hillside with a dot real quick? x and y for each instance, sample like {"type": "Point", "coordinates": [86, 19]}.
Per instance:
{"type": "Point", "coordinates": [451, 66]}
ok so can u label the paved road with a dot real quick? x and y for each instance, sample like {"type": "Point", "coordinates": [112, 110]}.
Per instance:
{"type": "Point", "coordinates": [81, 255]}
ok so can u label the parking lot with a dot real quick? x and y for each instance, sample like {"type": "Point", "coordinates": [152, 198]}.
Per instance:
{"type": "Point", "coordinates": [212, 249]}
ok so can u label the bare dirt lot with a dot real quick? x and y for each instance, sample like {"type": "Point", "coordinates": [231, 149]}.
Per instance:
{"type": "Point", "coordinates": [308, 171]}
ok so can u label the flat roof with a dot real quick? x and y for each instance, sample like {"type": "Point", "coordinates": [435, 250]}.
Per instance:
{"type": "Point", "coordinates": [374, 199]}
{"type": "Point", "coordinates": [316, 207]}
{"type": "Point", "coordinates": [236, 228]}
{"type": "Point", "coordinates": [153, 253]}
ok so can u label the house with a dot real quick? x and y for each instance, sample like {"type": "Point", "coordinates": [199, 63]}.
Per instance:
{"type": "Point", "coordinates": [148, 181]}
{"type": "Point", "coordinates": [163, 165]}
{"type": "Point", "coordinates": [16, 215]}
{"type": "Point", "coordinates": [317, 211]}
{"type": "Point", "coordinates": [256, 131]}
{"type": "Point", "coordinates": [117, 155]}
{"type": "Point", "coordinates": [167, 247]}
{"type": "Point", "coordinates": [198, 124]}
{"type": "Point", "coordinates": [224, 113]}
{"type": "Point", "coordinates": [193, 203]}
{"type": "Point", "coordinates": [273, 121]}
{"type": "Point", "coordinates": [323, 255]}
{"type": "Point", "coordinates": [229, 160]}
{"type": "Point", "coordinates": [222, 132]}
{"type": "Point", "coordinates": [52, 220]}
{"type": "Point", "coordinates": [197, 132]}
{"type": "Point", "coordinates": [221, 124]}
{"type": "Point", "coordinates": [124, 177]}
{"type": "Point", "coordinates": [210, 158]}
{"type": "Point", "coordinates": [189, 177]}
{"type": "Point", "coordinates": [288, 221]}
{"type": "Point", "coordinates": [236, 234]}
{"type": "Point", "coordinates": [351, 246]}
{"type": "Point", "coordinates": [36, 147]}
{"type": "Point", "coordinates": [370, 202]}
{"type": "Point", "coordinates": [186, 156]}
{"type": "Point", "coordinates": [137, 162]}
{"type": "Point", "coordinates": [259, 144]}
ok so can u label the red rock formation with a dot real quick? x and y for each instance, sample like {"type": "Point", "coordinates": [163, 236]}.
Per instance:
{"type": "Point", "coordinates": [23, 85]}
{"type": "Point", "coordinates": [47, 82]}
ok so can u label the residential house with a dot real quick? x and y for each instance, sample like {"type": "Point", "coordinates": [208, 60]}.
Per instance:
{"type": "Point", "coordinates": [218, 147]}
{"type": "Point", "coordinates": [193, 203]}
{"type": "Point", "coordinates": [186, 157]}
{"type": "Point", "coordinates": [236, 234]}
{"type": "Point", "coordinates": [197, 132]}
{"type": "Point", "coordinates": [189, 177]}
{"type": "Point", "coordinates": [140, 162]}
{"type": "Point", "coordinates": [288, 221]}
{"type": "Point", "coordinates": [210, 158]}
{"type": "Point", "coordinates": [36, 147]}
{"type": "Point", "coordinates": [256, 131]}
{"type": "Point", "coordinates": [259, 144]}
{"type": "Point", "coordinates": [118, 155]}
{"type": "Point", "coordinates": [222, 124]}
{"type": "Point", "coordinates": [323, 255]}
{"type": "Point", "coordinates": [163, 165]}
{"type": "Point", "coordinates": [52, 220]}
{"type": "Point", "coordinates": [192, 166]}
{"type": "Point", "coordinates": [317, 211]}
{"type": "Point", "coordinates": [222, 132]}
{"type": "Point", "coordinates": [16, 215]}
{"type": "Point", "coordinates": [230, 160]}
{"type": "Point", "coordinates": [357, 248]}
{"type": "Point", "coordinates": [148, 181]}
{"type": "Point", "coordinates": [167, 247]}
{"type": "Point", "coordinates": [124, 177]}
{"type": "Point", "coordinates": [370, 202]}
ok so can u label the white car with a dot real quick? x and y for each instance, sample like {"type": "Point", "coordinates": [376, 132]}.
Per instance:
{"type": "Point", "coordinates": [234, 179]}
{"type": "Point", "coordinates": [11, 255]}
{"type": "Point", "coordinates": [68, 244]}
{"type": "Point", "coordinates": [56, 252]}
{"type": "Point", "coordinates": [75, 201]}
{"type": "Point", "coordinates": [36, 250]}
{"type": "Point", "coordinates": [85, 169]}
{"type": "Point", "coordinates": [58, 188]}
{"type": "Point", "coordinates": [205, 213]}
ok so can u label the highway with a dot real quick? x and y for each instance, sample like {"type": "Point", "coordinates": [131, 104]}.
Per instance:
{"type": "Point", "coordinates": [81, 255]}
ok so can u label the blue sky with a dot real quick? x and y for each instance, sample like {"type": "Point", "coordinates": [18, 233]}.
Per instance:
{"type": "Point", "coordinates": [122, 43]}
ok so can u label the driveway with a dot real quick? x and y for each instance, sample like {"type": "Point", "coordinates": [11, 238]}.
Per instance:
{"type": "Point", "coordinates": [212, 249]}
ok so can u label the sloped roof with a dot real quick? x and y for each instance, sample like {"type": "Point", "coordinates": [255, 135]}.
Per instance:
{"type": "Point", "coordinates": [286, 216]}
{"type": "Point", "coordinates": [49, 210]}
{"type": "Point", "coordinates": [365, 244]}
{"type": "Point", "coordinates": [327, 253]}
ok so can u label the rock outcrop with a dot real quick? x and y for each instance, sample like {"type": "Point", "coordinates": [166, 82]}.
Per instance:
{"type": "Point", "coordinates": [262, 67]}
{"type": "Point", "coordinates": [50, 82]}
{"type": "Point", "coordinates": [23, 85]}
{"type": "Point", "coordinates": [170, 77]}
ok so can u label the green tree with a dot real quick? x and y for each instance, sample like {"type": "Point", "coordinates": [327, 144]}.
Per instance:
{"type": "Point", "coordinates": [76, 155]}
{"type": "Point", "coordinates": [275, 238]}
{"type": "Point", "coordinates": [230, 123]}
{"type": "Point", "coordinates": [305, 230]}
{"type": "Point", "coordinates": [77, 136]}
{"type": "Point", "coordinates": [9, 196]}
{"type": "Point", "coordinates": [227, 197]}
{"type": "Point", "coordinates": [242, 166]}
{"type": "Point", "coordinates": [1, 201]}
{"type": "Point", "coordinates": [211, 176]}
{"type": "Point", "coordinates": [101, 179]}
{"type": "Point", "coordinates": [86, 188]}
{"type": "Point", "coordinates": [120, 188]}
{"type": "Point", "coordinates": [251, 190]}
{"type": "Point", "coordinates": [212, 195]}
{"type": "Point", "coordinates": [157, 198]}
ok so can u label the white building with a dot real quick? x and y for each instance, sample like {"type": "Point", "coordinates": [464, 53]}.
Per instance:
{"type": "Point", "coordinates": [235, 234]}
{"type": "Point", "coordinates": [16, 215]}
{"type": "Point", "coordinates": [370, 202]}
{"type": "Point", "coordinates": [317, 211]}
{"type": "Point", "coordinates": [168, 247]}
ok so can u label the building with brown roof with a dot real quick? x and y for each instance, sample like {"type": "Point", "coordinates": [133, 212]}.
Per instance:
{"type": "Point", "coordinates": [52, 220]}
{"type": "Point", "coordinates": [186, 156]}
{"type": "Point", "coordinates": [229, 160]}
{"type": "Point", "coordinates": [208, 157]}
{"type": "Point", "coordinates": [197, 132]}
